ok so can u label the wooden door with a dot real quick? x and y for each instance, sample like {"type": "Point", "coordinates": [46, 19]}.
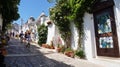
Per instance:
{"type": "Point", "coordinates": [105, 32]}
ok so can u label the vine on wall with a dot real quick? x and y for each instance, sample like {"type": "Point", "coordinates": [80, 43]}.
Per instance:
{"type": "Point", "coordinates": [59, 14]}
{"type": "Point", "coordinates": [42, 33]}
{"type": "Point", "coordinates": [79, 8]}
{"type": "Point", "coordinates": [66, 11]}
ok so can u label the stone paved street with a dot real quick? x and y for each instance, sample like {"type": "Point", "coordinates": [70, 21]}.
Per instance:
{"type": "Point", "coordinates": [35, 56]}
{"type": "Point", "coordinates": [19, 56]}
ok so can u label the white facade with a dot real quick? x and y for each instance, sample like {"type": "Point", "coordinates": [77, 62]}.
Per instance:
{"type": "Point", "coordinates": [42, 19]}
{"type": "Point", "coordinates": [54, 35]}
{"type": "Point", "coordinates": [29, 25]}
{"type": "Point", "coordinates": [51, 33]}
{"type": "Point", "coordinates": [89, 40]}
{"type": "Point", "coordinates": [24, 27]}
{"type": "Point", "coordinates": [74, 36]}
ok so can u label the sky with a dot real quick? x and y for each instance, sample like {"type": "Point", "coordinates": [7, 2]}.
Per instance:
{"type": "Point", "coordinates": [28, 8]}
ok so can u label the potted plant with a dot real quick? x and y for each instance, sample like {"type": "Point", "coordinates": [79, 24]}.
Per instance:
{"type": "Point", "coordinates": [58, 48]}
{"type": "Point", "coordinates": [80, 54]}
{"type": "Point", "coordinates": [51, 45]}
{"type": "Point", "coordinates": [69, 52]}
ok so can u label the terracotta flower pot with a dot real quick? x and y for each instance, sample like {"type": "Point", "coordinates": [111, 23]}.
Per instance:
{"type": "Point", "coordinates": [69, 54]}
{"type": "Point", "coordinates": [58, 49]}
{"type": "Point", "coordinates": [45, 45]}
{"type": "Point", "coordinates": [52, 47]}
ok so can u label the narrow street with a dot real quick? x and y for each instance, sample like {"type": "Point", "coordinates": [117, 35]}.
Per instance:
{"type": "Point", "coordinates": [19, 56]}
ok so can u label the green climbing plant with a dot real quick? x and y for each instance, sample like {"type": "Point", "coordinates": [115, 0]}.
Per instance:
{"type": "Point", "coordinates": [42, 33]}
{"type": "Point", "coordinates": [66, 11]}
{"type": "Point", "coordinates": [59, 14]}
{"type": "Point", "coordinates": [78, 9]}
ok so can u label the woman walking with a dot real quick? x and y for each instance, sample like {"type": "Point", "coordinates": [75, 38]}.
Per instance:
{"type": "Point", "coordinates": [28, 38]}
{"type": "Point", "coordinates": [21, 36]}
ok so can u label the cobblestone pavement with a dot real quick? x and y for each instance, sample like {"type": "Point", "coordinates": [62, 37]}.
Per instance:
{"type": "Point", "coordinates": [20, 56]}
{"type": "Point", "coordinates": [35, 56]}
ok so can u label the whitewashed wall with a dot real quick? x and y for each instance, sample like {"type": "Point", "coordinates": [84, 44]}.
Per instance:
{"type": "Point", "coordinates": [74, 36]}
{"type": "Point", "coordinates": [54, 35]}
{"type": "Point", "coordinates": [51, 33]}
{"type": "Point", "coordinates": [89, 39]}
{"type": "Point", "coordinates": [24, 28]}
{"type": "Point", "coordinates": [117, 18]}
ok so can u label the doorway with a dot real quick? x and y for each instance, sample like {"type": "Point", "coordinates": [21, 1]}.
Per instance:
{"type": "Point", "coordinates": [105, 33]}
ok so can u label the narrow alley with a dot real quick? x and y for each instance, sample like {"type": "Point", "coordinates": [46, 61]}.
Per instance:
{"type": "Point", "coordinates": [20, 56]}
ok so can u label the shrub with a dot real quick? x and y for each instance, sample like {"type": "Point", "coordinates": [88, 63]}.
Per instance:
{"type": "Point", "coordinates": [68, 49]}
{"type": "Point", "coordinates": [80, 54]}
{"type": "Point", "coordinates": [62, 49]}
{"type": "Point", "coordinates": [69, 52]}
{"type": "Point", "coordinates": [42, 33]}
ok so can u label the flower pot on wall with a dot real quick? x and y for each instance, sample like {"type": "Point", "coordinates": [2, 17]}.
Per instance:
{"type": "Point", "coordinates": [52, 47]}
{"type": "Point", "coordinates": [69, 54]}
{"type": "Point", "coordinates": [58, 49]}
{"type": "Point", "coordinates": [45, 45]}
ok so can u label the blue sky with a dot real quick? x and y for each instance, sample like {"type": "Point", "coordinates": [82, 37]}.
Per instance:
{"type": "Point", "coordinates": [33, 8]}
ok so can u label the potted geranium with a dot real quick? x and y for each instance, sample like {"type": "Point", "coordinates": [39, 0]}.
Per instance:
{"type": "Point", "coordinates": [69, 52]}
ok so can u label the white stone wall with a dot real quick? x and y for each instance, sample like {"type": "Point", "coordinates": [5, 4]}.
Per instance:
{"type": "Point", "coordinates": [89, 39]}
{"type": "Point", "coordinates": [42, 18]}
{"type": "Point", "coordinates": [25, 27]}
{"type": "Point", "coordinates": [117, 18]}
{"type": "Point", "coordinates": [51, 33]}
{"type": "Point", "coordinates": [74, 36]}
{"type": "Point", "coordinates": [54, 35]}
{"type": "Point", "coordinates": [30, 20]}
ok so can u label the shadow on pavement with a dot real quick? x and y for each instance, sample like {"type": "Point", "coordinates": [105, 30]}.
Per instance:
{"type": "Point", "coordinates": [20, 56]}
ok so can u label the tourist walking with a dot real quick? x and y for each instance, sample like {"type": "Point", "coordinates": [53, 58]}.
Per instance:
{"type": "Point", "coordinates": [28, 39]}
{"type": "Point", "coordinates": [21, 36]}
